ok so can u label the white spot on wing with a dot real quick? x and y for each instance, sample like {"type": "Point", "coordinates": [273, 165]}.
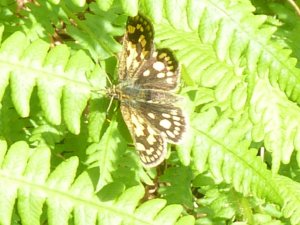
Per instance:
{"type": "Point", "coordinates": [151, 140]}
{"type": "Point", "coordinates": [159, 66]}
{"type": "Point", "coordinates": [176, 118]}
{"type": "Point", "coordinates": [169, 73]}
{"type": "Point", "coordinates": [169, 80]}
{"type": "Point", "coordinates": [177, 123]}
{"type": "Point", "coordinates": [150, 151]}
{"type": "Point", "coordinates": [166, 115]}
{"type": "Point", "coordinates": [143, 158]}
{"type": "Point", "coordinates": [146, 73]}
{"type": "Point", "coordinates": [165, 123]}
{"type": "Point", "coordinates": [151, 131]}
{"type": "Point", "coordinates": [151, 115]}
{"type": "Point", "coordinates": [138, 127]}
{"type": "Point", "coordinates": [140, 147]}
{"type": "Point", "coordinates": [176, 132]}
{"type": "Point", "coordinates": [170, 134]}
{"type": "Point", "coordinates": [174, 112]}
{"type": "Point", "coordinates": [160, 75]}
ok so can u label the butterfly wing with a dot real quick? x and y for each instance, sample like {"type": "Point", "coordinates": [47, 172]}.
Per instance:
{"type": "Point", "coordinates": [167, 120]}
{"type": "Point", "coordinates": [137, 46]}
{"type": "Point", "coordinates": [151, 146]}
{"type": "Point", "coordinates": [161, 71]}
{"type": "Point", "coordinates": [139, 62]}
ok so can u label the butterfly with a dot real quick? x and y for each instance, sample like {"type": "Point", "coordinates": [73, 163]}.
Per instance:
{"type": "Point", "coordinates": [148, 79]}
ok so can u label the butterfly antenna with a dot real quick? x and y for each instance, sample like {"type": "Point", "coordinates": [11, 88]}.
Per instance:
{"type": "Point", "coordinates": [109, 80]}
{"type": "Point", "coordinates": [110, 104]}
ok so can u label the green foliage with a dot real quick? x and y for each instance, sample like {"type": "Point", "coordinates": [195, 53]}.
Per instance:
{"type": "Point", "coordinates": [65, 158]}
{"type": "Point", "coordinates": [25, 175]}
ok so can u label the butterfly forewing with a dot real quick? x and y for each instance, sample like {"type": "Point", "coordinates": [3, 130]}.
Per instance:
{"type": "Point", "coordinates": [137, 46]}
{"type": "Point", "coordinates": [161, 71]}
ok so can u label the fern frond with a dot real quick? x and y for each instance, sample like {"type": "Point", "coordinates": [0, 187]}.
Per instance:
{"type": "Point", "coordinates": [291, 196]}
{"type": "Point", "coordinates": [104, 153]}
{"type": "Point", "coordinates": [222, 145]}
{"type": "Point", "coordinates": [233, 54]}
{"type": "Point", "coordinates": [58, 78]}
{"type": "Point", "coordinates": [96, 33]}
{"type": "Point", "coordinates": [25, 176]}
{"type": "Point", "coordinates": [178, 190]}
{"type": "Point", "coordinates": [105, 5]}
{"type": "Point", "coordinates": [130, 7]}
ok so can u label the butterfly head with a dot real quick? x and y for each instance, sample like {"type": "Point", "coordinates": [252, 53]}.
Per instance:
{"type": "Point", "coordinates": [113, 92]}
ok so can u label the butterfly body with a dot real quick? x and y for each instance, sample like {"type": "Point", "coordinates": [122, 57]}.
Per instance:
{"type": "Point", "coordinates": [148, 79]}
{"type": "Point", "coordinates": [128, 94]}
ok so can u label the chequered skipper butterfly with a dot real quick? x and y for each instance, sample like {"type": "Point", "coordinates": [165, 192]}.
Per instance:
{"type": "Point", "coordinates": [148, 78]}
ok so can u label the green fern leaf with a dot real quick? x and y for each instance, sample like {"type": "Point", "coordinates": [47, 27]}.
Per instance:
{"type": "Point", "coordinates": [75, 97]}
{"type": "Point", "coordinates": [153, 9]}
{"type": "Point", "coordinates": [104, 5]}
{"type": "Point", "coordinates": [79, 3]}
{"type": "Point", "coordinates": [222, 146]}
{"type": "Point", "coordinates": [168, 215]}
{"type": "Point", "coordinates": [51, 94]}
{"type": "Point", "coordinates": [84, 214]}
{"type": "Point", "coordinates": [55, 79]}
{"type": "Point", "coordinates": [178, 191]}
{"type": "Point", "coordinates": [60, 180]}
{"type": "Point", "coordinates": [290, 194]}
{"type": "Point", "coordinates": [233, 54]}
{"type": "Point", "coordinates": [130, 7]}
{"type": "Point", "coordinates": [186, 220]}
{"type": "Point", "coordinates": [96, 32]}
{"type": "Point", "coordinates": [13, 166]}
{"type": "Point", "coordinates": [30, 203]}
{"type": "Point", "coordinates": [24, 176]}
{"type": "Point", "coordinates": [104, 153]}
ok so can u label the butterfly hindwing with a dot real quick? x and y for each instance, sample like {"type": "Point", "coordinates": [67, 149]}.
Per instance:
{"type": "Point", "coordinates": [167, 120]}
{"type": "Point", "coordinates": [150, 145]}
